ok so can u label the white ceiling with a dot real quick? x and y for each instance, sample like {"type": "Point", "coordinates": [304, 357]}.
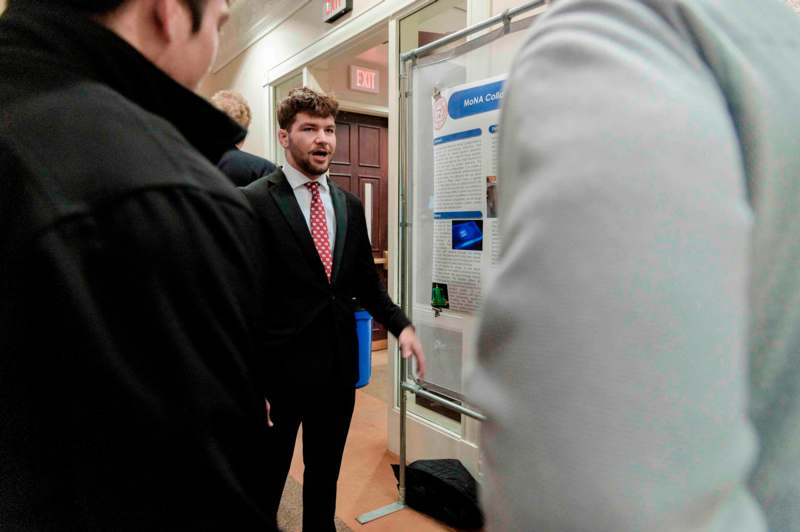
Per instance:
{"type": "Point", "coordinates": [250, 20]}
{"type": "Point", "coordinates": [372, 48]}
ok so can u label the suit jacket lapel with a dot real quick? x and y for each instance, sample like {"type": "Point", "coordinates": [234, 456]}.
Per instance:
{"type": "Point", "coordinates": [283, 195]}
{"type": "Point", "coordinates": [340, 209]}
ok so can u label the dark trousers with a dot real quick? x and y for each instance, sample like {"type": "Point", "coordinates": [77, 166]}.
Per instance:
{"type": "Point", "coordinates": [325, 410]}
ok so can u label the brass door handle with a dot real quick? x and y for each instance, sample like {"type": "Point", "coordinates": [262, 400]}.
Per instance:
{"type": "Point", "coordinates": [383, 260]}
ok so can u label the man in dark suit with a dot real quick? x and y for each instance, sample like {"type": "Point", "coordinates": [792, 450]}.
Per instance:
{"type": "Point", "coordinates": [241, 167]}
{"type": "Point", "coordinates": [319, 266]}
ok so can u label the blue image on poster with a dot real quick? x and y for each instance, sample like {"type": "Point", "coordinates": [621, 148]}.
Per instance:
{"type": "Point", "coordinates": [468, 235]}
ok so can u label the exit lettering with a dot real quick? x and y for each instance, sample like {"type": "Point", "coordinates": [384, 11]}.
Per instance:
{"type": "Point", "coordinates": [364, 79]}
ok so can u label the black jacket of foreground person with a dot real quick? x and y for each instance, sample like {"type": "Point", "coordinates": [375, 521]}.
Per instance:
{"type": "Point", "coordinates": [128, 297]}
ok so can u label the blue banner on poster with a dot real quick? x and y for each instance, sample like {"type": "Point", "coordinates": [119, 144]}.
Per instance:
{"type": "Point", "coordinates": [475, 100]}
{"type": "Point", "coordinates": [461, 135]}
{"type": "Point", "coordinates": [457, 215]}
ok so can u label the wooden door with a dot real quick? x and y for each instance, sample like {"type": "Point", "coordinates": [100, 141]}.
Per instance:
{"type": "Point", "coordinates": [360, 166]}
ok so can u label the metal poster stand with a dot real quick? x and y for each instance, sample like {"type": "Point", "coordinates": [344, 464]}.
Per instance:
{"type": "Point", "coordinates": [408, 62]}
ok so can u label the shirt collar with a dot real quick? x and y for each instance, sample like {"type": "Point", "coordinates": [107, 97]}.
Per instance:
{"type": "Point", "coordinates": [297, 179]}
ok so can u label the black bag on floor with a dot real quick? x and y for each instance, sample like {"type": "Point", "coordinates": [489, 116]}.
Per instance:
{"type": "Point", "coordinates": [445, 490]}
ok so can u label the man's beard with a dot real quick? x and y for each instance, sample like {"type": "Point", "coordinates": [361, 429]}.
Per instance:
{"type": "Point", "coordinates": [303, 160]}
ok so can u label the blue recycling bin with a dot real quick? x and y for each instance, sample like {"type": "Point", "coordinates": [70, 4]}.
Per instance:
{"type": "Point", "coordinates": [364, 332]}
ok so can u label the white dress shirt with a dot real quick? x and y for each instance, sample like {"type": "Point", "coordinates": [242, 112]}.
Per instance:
{"type": "Point", "coordinates": [297, 180]}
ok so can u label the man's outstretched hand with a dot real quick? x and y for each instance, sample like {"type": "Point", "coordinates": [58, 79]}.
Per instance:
{"type": "Point", "coordinates": [409, 345]}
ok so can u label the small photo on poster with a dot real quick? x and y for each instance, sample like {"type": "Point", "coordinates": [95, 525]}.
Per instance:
{"type": "Point", "coordinates": [439, 296]}
{"type": "Point", "coordinates": [491, 196]}
{"type": "Point", "coordinates": [468, 235]}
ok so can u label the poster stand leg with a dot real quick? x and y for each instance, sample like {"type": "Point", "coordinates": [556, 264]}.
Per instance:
{"type": "Point", "coordinates": [380, 512]}
{"type": "Point", "coordinates": [399, 504]}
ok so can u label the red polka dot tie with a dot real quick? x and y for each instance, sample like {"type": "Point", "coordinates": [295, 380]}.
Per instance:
{"type": "Point", "coordinates": [319, 228]}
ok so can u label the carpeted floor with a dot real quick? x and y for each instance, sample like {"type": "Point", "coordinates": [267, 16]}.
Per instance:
{"type": "Point", "coordinates": [290, 514]}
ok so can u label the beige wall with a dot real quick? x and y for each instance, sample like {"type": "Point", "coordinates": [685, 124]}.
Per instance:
{"type": "Point", "coordinates": [2, 5]}
{"type": "Point", "coordinates": [498, 6]}
{"type": "Point", "coordinates": [336, 76]}
{"type": "Point", "coordinates": [248, 72]}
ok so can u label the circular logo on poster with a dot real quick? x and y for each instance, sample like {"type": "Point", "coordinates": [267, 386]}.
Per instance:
{"type": "Point", "coordinates": [439, 112]}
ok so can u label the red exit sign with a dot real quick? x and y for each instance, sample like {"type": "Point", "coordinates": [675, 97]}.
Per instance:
{"type": "Point", "coordinates": [364, 79]}
{"type": "Point", "coordinates": [335, 9]}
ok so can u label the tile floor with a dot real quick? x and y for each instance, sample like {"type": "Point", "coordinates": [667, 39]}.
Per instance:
{"type": "Point", "coordinates": [366, 481]}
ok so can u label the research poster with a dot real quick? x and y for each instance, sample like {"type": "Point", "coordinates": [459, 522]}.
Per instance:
{"type": "Point", "coordinates": [466, 238]}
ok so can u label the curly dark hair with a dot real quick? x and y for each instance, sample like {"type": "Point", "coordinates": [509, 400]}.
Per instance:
{"type": "Point", "coordinates": [98, 7]}
{"type": "Point", "coordinates": [305, 100]}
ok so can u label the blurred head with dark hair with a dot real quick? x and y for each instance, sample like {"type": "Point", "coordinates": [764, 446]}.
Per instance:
{"type": "Point", "coordinates": [179, 36]}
